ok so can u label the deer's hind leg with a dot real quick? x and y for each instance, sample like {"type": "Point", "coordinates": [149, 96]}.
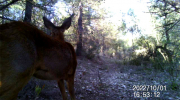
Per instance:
{"type": "Point", "coordinates": [70, 84]}
{"type": "Point", "coordinates": [62, 89]}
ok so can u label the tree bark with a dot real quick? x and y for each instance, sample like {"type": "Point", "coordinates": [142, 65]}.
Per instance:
{"type": "Point", "coordinates": [28, 11]}
{"type": "Point", "coordinates": [80, 32]}
{"type": "Point", "coordinates": [168, 53]}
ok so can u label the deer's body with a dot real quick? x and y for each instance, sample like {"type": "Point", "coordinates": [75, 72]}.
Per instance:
{"type": "Point", "coordinates": [25, 51]}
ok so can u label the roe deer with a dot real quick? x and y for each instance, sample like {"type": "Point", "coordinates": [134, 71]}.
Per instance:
{"type": "Point", "coordinates": [25, 51]}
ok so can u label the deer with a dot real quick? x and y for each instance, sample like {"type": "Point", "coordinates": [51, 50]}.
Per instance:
{"type": "Point", "coordinates": [26, 51]}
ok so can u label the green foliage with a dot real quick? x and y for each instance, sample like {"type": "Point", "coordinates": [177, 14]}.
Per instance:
{"type": "Point", "coordinates": [38, 89]}
{"type": "Point", "coordinates": [158, 64]}
{"type": "Point", "coordinates": [90, 47]}
{"type": "Point", "coordinates": [101, 36]}
{"type": "Point", "coordinates": [138, 60]}
{"type": "Point", "coordinates": [146, 42]}
{"type": "Point", "coordinates": [167, 21]}
{"type": "Point", "coordinates": [123, 26]}
{"type": "Point", "coordinates": [90, 53]}
{"type": "Point", "coordinates": [174, 86]}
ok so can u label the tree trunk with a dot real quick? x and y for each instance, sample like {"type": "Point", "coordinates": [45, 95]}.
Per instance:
{"type": "Point", "coordinates": [3, 13]}
{"type": "Point", "coordinates": [28, 11]}
{"type": "Point", "coordinates": [168, 52]}
{"type": "Point", "coordinates": [168, 55]}
{"type": "Point", "coordinates": [80, 32]}
{"type": "Point", "coordinates": [165, 52]}
{"type": "Point", "coordinates": [103, 44]}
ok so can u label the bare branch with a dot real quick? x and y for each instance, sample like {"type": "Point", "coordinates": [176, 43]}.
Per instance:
{"type": "Point", "coordinates": [5, 6]}
{"type": "Point", "coordinates": [173, 25]}
{"type": "Point", "coordinates": [6, 18]}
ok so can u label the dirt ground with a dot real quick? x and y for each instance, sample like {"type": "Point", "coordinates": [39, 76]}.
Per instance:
{"type": "Point", "coordinates": [107, 79]}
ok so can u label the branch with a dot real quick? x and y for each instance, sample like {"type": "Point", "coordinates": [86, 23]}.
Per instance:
{"type": "Point", "coordinates": [173, 25]}
{"type": "Point", "coordinates": [174, 5]}
{"type": "Point", "coordinates": [157, 47]}
{"type": "Point", "coordinates": [6, 18]}
{"type": "Point", "coordinates": [40, 6]}
{"type": "Point", "coordinates": [5, 6]}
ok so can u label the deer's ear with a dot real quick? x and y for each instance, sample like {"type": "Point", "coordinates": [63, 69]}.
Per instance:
{"type": "Point", "coordinates": [48, 24]}
{"type": "Point", "coordinates": [67, 23]}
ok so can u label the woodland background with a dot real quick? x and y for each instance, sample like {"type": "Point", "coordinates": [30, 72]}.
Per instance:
{"type": "Point", "coordinates": [98, 41]}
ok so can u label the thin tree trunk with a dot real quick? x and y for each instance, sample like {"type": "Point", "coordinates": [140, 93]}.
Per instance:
{"type": "Point", "coordinates": [168, 52]}
{"type": "Point", "coordinates": [28, 11]}
{"type": "Point", "coordinates": [80, 32]}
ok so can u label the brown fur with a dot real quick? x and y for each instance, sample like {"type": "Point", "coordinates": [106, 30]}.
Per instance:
{"type": "Point", "coordinates": [25, 51]}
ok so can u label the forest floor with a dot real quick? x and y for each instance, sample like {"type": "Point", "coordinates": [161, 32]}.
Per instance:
{"type": "Point", "coordinates": [107, 79]}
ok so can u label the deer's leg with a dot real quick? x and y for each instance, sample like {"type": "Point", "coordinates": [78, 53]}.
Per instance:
{"type": "Point", "coordinates": [70, 83]}
{"type": "Point", "coordinates": [62, 89]}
